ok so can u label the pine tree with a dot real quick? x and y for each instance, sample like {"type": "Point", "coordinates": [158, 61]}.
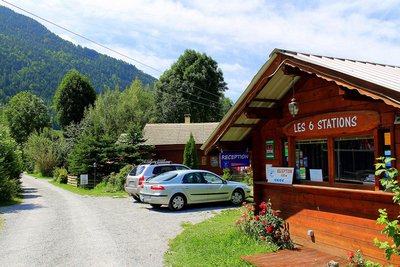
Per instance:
{"type": "Point", "coordinates": [190, 153]}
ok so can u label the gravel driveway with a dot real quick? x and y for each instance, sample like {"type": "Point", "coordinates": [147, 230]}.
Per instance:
{"type": "Point", "coordinates": [54, 227]}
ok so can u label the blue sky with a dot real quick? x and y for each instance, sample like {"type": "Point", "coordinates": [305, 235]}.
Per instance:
{"type": "Point", "coordinates": [238, 34]}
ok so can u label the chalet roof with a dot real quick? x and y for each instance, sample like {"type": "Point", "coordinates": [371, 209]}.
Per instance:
{"type": "Point", "coordinates": [177, 133]}
{"type": "Point", "coordinates": [272, 83]}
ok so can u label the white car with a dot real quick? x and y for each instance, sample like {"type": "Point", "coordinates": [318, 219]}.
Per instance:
{"type": "Point", "coordinates": [180, 188]}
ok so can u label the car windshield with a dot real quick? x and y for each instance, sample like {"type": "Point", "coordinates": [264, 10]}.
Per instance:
{"type": "Point", "coordinates": [167, 176]}
{"type": "Point", "coordinates": [137, 170]}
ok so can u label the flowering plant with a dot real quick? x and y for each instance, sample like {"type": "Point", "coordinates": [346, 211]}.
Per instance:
{"type": "Point", "coordinates": [355, 259]}
{"type": "Point", "coordinates": [265, 226]}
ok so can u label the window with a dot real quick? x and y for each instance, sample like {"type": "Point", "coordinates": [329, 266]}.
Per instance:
{"type": "Point", "coordinates": [312, 160]}
{"type": "Point", "coordinates": [211, 178]}
{"type": "Point", "coordinates": [354, 160]}
{"type": "Point", "coordinates": [162, 169]}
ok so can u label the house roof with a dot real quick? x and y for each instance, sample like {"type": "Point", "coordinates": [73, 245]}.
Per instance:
{"type": "Point", "coordinates": [272, 83]}
{"type": "Point", "coordinates": [177, 133]}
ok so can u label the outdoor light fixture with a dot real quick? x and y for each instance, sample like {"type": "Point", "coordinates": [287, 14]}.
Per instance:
{"type": "Point", "coordinates": [293, 105]}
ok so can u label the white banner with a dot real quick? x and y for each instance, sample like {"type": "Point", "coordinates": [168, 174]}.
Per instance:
{"type": "Point", "coordinates": [280, 175]}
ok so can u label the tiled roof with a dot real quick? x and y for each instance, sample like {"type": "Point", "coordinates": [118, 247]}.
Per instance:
{"type": "Point", "coordinates": [177, 133]}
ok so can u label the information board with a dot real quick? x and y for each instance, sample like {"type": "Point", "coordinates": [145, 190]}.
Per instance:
{"type": "Point", "coordinates": [84, 179]}
{"type": "Point", "coordinates": [280, 175]}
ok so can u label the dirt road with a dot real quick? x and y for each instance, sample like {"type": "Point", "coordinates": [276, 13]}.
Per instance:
{"type": "Point", "coordinates": [54, 227]}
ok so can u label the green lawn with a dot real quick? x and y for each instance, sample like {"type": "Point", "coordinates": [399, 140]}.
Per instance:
{"type": "Point", "coordinates": [97, 192]}
{"type": "Point", "coordinates": [214, 242]}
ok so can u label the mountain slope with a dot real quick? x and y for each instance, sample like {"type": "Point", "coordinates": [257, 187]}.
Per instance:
{"type": "Point", "coordinates": [34, 59]}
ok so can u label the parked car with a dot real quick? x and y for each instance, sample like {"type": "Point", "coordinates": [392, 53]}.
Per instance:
{"type": "Point", "coordinates": [180, 188]}
{"type": "Point", "coordinates": [146, 171]}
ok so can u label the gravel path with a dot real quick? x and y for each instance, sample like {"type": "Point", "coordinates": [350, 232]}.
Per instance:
{"type": "Point", "coordinates": [54, 227]}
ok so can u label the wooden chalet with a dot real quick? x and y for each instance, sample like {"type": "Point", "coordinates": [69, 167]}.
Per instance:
{"type": "Point", "coordinates": [169, 140]}
{"type": "Point", "coordinates": [343, 115]}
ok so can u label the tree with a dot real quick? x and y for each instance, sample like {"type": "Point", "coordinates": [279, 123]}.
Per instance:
{"type": "Point", "coordinates": [25, 114]}
{"type": "Point", "coordinates": [45, 150]}
{"type": "Point", "coordinates": [114, 113]}
{"type": "Point", "coordinates": [10, 165]}
{"type": "Point", "coordinates": [193, 85]}
{"type": "Point", "coordinates": [190, 153]}
{"type": "Point", "coordinates": [72, 97]}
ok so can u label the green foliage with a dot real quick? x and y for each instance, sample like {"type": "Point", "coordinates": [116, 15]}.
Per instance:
{"type": "Point", "coordinates": [24, 114]}
{"type": "Point", "coordinates": [391, 227]}
{"type": "Point", "coordinates": [213, 242]}
{"type": "Point", "coordinates": [115, 181]}
{"type": "Point", "coordinates": [266, 226]}
{"type": "Point", "coordinates": [60, 175]}
{"type": "Point", "coordinates": [190, 153]}
{"type": "Point", "coordinates": [39, 65]}
{"type": "Point", "coordinates": [111, 132]}
{"type": "Point", "coordinates": [10, 166]}
{"type": "Point", "coordinates": [73, 96]}
{"type": "Point", "coordinates": [193, 85]}
{"type": "Point", "coordinates": [227, 174]}
{"type": "Point", "coordinates": [45, 150]}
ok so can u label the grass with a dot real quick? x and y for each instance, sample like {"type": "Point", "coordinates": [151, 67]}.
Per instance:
{"type": "Point", "coordinates": [97, 192]}
{"type": "Point", "coordinates": [214, 242]}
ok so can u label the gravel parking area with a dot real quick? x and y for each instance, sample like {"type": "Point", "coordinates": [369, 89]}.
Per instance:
{"type": "Point", "coordinates": [54, 227]}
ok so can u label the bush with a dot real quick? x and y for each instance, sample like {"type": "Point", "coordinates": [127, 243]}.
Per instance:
{"type": "Point", "coordinates": [115, 181]}
{"type": "Point", "coordinates": [227, 174]}
{"type": "Point", "coordinates": [267, 226]}
{"type": "Point", "coordinates": [60, 175]}
{"type": "Point", "coordinates": [10, 166]}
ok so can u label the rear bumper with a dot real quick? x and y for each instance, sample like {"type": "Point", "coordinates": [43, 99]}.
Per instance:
{"type": "Point", "coordinates": [154, 199]}
{"type": "Point", "coordinates": [132, 191]}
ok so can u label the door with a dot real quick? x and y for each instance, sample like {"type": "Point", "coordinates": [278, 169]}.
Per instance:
{"type": "Point", "coordinates": [218, 190]}
{"type": "Point", "coordinates": [194, 188]}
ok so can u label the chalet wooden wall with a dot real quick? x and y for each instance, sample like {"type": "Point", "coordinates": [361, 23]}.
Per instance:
{"type": "Point", "coordinates": [342, 219]}
{"type": "Point", "coordinates": [174, 153]}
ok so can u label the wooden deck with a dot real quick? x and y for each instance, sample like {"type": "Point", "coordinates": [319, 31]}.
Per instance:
{"type": "Point", "coordinates": [301, 256]}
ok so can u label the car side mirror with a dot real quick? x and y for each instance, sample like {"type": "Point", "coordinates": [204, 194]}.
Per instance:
{"type": "Point", "coordinates": [224, 182]}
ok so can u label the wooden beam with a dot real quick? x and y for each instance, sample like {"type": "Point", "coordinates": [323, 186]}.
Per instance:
{"type": "Point", "coordinates": [263, 113]}
{"type": "Point", "coordinates": [242, 125]}
{"type": "Point", "coordinates": [265, 100]}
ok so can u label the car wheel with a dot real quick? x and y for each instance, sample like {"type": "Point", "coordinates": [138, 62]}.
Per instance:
{"type": "Point", "coordinates": [155, 206]}
{"type": "Point", "coordinates": [237, 197]}
{"type": "Point", "coordinates": [177, 202]}
{"type": "Point", "coordinates": [136, 198]}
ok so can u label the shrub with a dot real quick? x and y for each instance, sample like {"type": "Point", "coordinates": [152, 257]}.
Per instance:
{"type": "Point", "coordinates": [116, 181]}
{"type": "Point", "coordinates": [267, 226]}
{"type": "Point", "coordinates": [60, 175]}
{"type": "Point", "coordinates": [227, 174]}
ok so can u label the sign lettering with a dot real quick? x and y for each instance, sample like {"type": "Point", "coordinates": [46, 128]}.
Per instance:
{"type": "Point", "coordinates": [333, 123]}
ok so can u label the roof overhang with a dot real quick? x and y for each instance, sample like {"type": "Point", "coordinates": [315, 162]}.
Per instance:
{"type": "Point", "coordinates": [272, 82]}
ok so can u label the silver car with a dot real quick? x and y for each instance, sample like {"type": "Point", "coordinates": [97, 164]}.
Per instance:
{"type": "Point", "coordinates": [179, 188]}
{"type": "Point", "coordinates": [143, 172]}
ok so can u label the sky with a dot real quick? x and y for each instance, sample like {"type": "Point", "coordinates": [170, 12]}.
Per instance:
{"type": "Point", "coordinates": [239, 35]}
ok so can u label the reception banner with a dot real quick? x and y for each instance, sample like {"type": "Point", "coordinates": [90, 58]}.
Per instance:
{"type": "Point", "coordinates": [234, 159]}
{"type": "Point", "coordinates": [280, 175]}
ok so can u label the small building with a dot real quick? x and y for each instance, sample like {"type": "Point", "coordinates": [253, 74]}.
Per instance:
{"type": "Point", "coordinates": [314, 126]}
{"type": "Point", "coordinates": [169, 140]}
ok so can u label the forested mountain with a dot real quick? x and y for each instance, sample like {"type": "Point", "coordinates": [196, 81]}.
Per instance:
{"type": "Point", "coordinates": [34, 59]}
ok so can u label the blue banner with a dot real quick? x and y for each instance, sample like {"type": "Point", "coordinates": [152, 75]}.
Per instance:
{"type": "Point", "coordinates": [234, 159]}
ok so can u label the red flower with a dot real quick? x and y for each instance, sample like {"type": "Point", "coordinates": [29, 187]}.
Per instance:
{"type": "Point", "coordinates": [269, 229]}
{"type": "Point", "coordinates": [244, 214]}
{"type": "Point", "coordinates": [249, 208]}
{"type": "Point", "coordinates": [264, 222]}
{"type": "Point", "coordinates": [262, 212]}
{"type": "Point", "coordinates": [244, 203]}
{"type": "Point", "coordinates": [356, 263]}
{"type": "Point", "coordinates": [275, 213]}
{"type": "Point", "coordinates": [251, 218]}
{"type": "Point", "coordinates": [350, 254]}
{"type": "Point", "coordinates": [262, 205]}
{"type": "Point", "coordinates": [257, 218]}
{"type": "Point", "coordinates": [263, 238]}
